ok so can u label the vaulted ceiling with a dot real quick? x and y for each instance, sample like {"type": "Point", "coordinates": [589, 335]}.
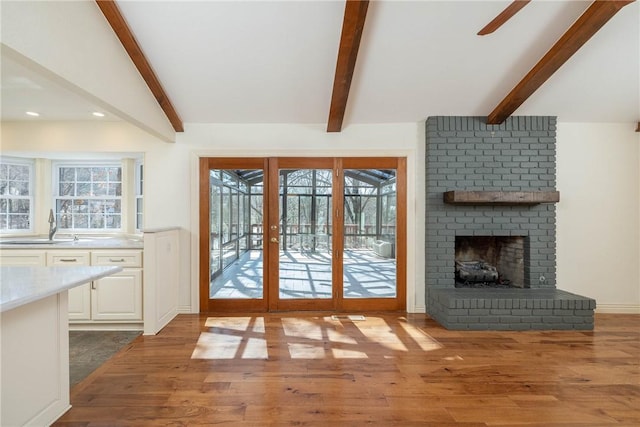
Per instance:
{"type": "Point", "coordinates": [275, 61]}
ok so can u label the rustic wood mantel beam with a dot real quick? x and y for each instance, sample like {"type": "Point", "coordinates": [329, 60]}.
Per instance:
{"type": "Point", "coordinates": [500, 197]}
{"type": "Point", "coordinates": [111, 11]}
{"type": "Point", "coordinates": [598, 14]}
{"type": "Point", "coordinates": [503, 17]}
{"type": "Point", "coordinates": [355, 12]}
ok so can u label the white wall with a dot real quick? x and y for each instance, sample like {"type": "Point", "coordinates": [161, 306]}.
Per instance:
{"type": "Point", "coordinates": [598, 214]}
{"type": "Point", "coordinates": [598, 217]}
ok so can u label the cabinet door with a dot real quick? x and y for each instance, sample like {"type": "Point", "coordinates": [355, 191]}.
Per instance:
{"type": "Point", "coordinates": [80, 302]}
{"type": "Point", "coordinates": [118, 297]}
{"type": "Point", "coordinates": [22, 258]}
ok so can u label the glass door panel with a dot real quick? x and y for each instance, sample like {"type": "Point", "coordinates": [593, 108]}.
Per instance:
{"type": "Point", "coordinates": [236, 222]}
{"type": "Point", "coordinates": [305, 258]}
{"type": "Point", "coordinates": [369, 236]}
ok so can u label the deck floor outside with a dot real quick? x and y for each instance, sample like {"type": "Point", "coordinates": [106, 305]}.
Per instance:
{"type": "Point", "coordinates": [307, 274]}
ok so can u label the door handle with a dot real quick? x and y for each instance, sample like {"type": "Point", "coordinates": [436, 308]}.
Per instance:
{"type": "Point", "coordinates": [274, 240]}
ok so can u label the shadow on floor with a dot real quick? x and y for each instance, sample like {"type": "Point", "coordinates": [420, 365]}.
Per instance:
{"type": "Point", "coordinates": [88, 350]}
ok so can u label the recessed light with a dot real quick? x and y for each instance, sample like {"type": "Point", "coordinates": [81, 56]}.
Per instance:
{"type": "Point", "coordinates": [32, 114]}
{"type": "Point", "coordinates": [98, 114]}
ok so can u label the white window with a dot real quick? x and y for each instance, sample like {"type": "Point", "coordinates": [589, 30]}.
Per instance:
{"type": "Point", "coordinates": [16, 195]}
{"type": "Point", "coordinates": [139, 194]}
{"type": "Point", "coordinates": [88, 196]}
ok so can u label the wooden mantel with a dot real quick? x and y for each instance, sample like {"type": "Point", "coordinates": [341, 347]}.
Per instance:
{"type": "Point", "coordinates": [500, 197]}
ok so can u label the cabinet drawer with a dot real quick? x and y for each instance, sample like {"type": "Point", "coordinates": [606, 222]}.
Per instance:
{"type": "Point", "coordinates": [121, 258]}
{"type": "Point", "coordinates": [27, 257]}
{"type": "Point", "coordinates": [59, 257]}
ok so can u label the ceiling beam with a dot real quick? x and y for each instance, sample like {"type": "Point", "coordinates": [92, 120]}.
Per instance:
{"type": "Point", "coordinates": [577, 35]}
{"type": "Point", "coordinates": [503, 17]}
{"type": "Point", "coordinates": [355, 12]}
{"type": "Point", "coordinates": [111, 11]}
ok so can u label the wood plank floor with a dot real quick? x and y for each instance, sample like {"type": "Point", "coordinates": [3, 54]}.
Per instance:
{"type": "Point", "coordinates": [389, 370]}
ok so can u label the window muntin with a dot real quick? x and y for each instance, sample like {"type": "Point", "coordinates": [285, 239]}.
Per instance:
{"type": "Point", "coordinates": [16, 195]}
{"type": "Point", "coordinates": [88, 196]}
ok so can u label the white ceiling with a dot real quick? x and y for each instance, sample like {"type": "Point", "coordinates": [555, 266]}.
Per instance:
{"type": "Point", "coordinates": [274, 62]}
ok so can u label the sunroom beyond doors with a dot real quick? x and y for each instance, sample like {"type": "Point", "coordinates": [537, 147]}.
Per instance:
{"type": "Point", "coordinates": [298, 234]}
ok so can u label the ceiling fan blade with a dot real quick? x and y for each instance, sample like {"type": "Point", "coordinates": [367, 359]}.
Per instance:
{"type": "Point", "coordinates": [503, 17]}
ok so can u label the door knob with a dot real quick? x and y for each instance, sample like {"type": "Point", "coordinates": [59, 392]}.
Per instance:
{"type": "Point", "coordinates": [274, 240]}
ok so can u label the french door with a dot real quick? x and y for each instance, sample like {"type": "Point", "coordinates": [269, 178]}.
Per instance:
{"type": "Point", "coordinates": [322, 234]}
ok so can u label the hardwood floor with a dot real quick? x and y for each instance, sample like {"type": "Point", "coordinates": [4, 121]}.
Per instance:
{"type": "Point", "coordinates": [389, 370]}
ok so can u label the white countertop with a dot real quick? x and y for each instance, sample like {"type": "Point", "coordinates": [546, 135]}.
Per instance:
{"type": "Point", "coordinates": [67, 242]}
{"type": "Point", "coordinates": [23, 285]}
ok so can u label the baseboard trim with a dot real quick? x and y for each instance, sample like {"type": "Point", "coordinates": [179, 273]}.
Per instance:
{"type": "Point", "coordinates": [418, 309]}
{"type": "Point", "coordinates": [618, 308]}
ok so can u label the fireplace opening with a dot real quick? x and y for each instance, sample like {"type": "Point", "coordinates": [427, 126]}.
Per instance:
{"type": "Point", "coordinates": [489, 262]}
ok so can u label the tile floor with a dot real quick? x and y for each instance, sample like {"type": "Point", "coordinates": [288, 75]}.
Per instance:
{"type": "Point", "coordinates": [90, 349]}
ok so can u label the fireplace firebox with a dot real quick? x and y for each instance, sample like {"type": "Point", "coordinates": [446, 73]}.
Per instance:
{"type": "Point", "coordinates": [489, 261]}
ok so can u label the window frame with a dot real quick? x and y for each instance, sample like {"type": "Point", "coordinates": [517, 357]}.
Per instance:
{"type": "Point", "coordinates": [31, 164]}
{"type": "Point", "coordinates": [55, 170]}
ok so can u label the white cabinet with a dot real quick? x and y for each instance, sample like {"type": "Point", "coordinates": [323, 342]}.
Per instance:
{"type": "Point", "coordinates": [113, 302]}
{"type": "Point", "coordinates": [119, 296]}
{"type": "Point", "coordinates": [79, 297]}
{"type": "Point", "coordinates": [22, 257]}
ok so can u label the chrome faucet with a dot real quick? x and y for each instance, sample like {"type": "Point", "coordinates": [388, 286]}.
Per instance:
{"type": "Point", "coordinates": [52, 225]}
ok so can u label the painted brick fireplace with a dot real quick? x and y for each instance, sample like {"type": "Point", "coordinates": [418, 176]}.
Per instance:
{"type": "Point", "coordinates": [493, 182]}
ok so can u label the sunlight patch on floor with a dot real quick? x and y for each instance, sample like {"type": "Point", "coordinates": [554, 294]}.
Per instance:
{"type": "Point", "coordinates": [336, 337]}
{"type": "Point", "coordinates": [236, 323]}
{"type": "Point", "coordinates": [302, 328]}
{"type": "Point", "coordinates": [424, 341]}
{"type": "Point", "coordinates": [213, 345]}
{"type": "Point", "coordinates": [377, 330]}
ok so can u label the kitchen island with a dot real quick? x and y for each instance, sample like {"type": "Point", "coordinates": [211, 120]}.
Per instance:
{"type": "Point", "coordinates": [34, 340]}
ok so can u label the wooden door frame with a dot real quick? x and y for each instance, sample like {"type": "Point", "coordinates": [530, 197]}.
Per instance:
{"type": "Point", "coordinates": [383, 304]}
{"type": "Point", "coordinates": [275, 303]}
{"type": "Point", "coordinates": [225, 305]}
{"type": "Point", "coordinates": [270, 301]}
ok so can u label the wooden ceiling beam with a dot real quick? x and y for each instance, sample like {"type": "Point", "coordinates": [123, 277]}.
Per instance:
{"type": "Point", "coordinates": [503, 17]}
{"type": "Point", "coordinates": [111, 11]}
{"type": "Point", "coordinates": [355, 12]}
{"type": "Point", "coordinates": [598, 14]}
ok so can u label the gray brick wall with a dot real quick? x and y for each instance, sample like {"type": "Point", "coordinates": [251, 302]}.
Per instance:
{"type": "Point", "coordinates": [464, 153]}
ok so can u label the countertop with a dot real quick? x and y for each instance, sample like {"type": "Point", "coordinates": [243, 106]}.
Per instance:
{"type": "Point", "coordinates": [67, 242]}
{"type": "Point", "coordinates": [22, 285]}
